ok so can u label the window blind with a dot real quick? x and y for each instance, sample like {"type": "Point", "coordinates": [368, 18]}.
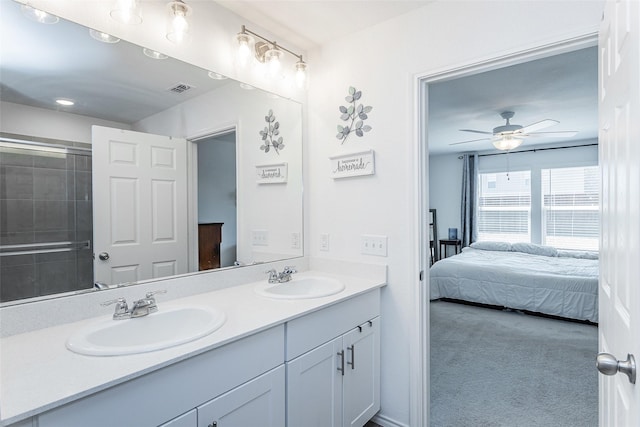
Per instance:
{"type": "Point", "coordinates": [504, 206]}
{"type": "Point", "coordinates": [570, 199]}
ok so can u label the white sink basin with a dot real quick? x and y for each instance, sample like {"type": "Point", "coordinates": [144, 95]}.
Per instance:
{"type": "Point", "coordinates": [165, 328]}
{"type": "Point", "coordinates": [301, 288]}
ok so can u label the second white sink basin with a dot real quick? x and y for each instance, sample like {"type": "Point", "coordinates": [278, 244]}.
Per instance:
{"type": "Point", "coordinates": [166, 328]}
{"type": "Point", "coordinates": [301, 288]}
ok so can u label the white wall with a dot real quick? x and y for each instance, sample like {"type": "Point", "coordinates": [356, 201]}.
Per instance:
{"type": "Point", "coordinates": [445, 175]}
{"type": "Point", "coordinates": [383, 61]}
{"type": "Point", "coordinates": [39, 122]}
{"type": "Point", "coordinates": [276, 208]}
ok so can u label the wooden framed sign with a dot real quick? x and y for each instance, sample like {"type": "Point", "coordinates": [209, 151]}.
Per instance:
{"type": "Point", "coordinates": [352, 164]}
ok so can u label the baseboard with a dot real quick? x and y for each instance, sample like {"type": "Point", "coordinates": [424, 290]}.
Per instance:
{"type": "Point", "coordinates": [387, 422]}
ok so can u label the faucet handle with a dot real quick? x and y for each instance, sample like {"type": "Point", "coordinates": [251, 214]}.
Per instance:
{"type": "Point", "coordinates": [122, 309]}
{"type": "Point", "coordinates": [152, 293]}
{"type": "Point", "coordinates": [290, 269]}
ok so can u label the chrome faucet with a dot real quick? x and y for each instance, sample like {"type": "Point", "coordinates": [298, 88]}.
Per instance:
{"type": "Point", "coordinates": [141, 307]}
{"type": "Point", "coordinates": [284, 276]}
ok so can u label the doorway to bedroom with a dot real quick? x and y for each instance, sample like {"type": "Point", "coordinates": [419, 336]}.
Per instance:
{"type": "Point", "coordinates": [498, 366]}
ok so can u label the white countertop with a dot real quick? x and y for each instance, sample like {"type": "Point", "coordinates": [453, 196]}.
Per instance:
{"type": "Point", "coordinates": [38, 373]}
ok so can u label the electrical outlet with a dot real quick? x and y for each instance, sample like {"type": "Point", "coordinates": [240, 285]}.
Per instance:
{"type": "Point", "coordinates": [324, 242]}
{"type": "Point", "coordinates": [373, 245]}
{"type": "Point", "coordinates": [260, 237]}
{"type": "Point", "coordinates": [295, 240]}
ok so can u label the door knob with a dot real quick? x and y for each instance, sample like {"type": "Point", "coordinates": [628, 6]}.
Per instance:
{"type": "Point", "coordinates": [103, 256]}
{"type": "Point", "coordinates": [607, 364]}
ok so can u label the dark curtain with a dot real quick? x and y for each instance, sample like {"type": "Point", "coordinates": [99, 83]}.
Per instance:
{"type": "Point", "coordinates": [468, 219]}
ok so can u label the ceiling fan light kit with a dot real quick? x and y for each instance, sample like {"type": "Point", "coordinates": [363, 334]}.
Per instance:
{"type": "Point", "coordinates": [507, 137]}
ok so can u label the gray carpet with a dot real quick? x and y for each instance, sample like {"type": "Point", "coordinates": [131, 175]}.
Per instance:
{"type": "Point", "coordinates": [504, 368]}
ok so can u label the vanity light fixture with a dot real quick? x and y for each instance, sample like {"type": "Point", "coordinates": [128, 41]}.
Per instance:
{"type": "Point", "coordinates": [507, 142]}
{"type": "Point", "coordinates": [153, 54]}
{"type": "Point", "coordinates": [38, 15]}
{"type": "Point", "coordinates": [178, 30]}
{"type": "Point", "coordinates": [103, 37]}
{"type": "Point", "coordinates": [267, 52]}
{"type": "Point", "coordinates": [127, 12]}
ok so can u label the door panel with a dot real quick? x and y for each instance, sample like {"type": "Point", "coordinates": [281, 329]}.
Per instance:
{"type": "Point", "coordinates": [619, 93]}
{"type": "Point", "coordinates": [140, 205]}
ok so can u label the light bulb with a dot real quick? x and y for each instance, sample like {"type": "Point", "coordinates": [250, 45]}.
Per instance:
{"type": "Point", "coordinates": [507, 142]}
{"type": "Point", "coordinates": [178, 31]}
{"type": "Point", "coordinates": [272, 58]}
{"type": "Point", "coordinates": [127, 12]}
{"type": "Point", "coordinates": [301, 74]}
{"type": "Point", "coordinates": [244, 48]}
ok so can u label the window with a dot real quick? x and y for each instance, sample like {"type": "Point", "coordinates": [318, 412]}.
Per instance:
{"type": "Point", "coordinates": [570, 199]}
{"type": "Point", "coordinates": [504, 206]}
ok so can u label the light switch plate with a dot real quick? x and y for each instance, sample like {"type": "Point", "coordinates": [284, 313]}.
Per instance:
{"type": "Point", "coordinates": [324, 242]}
{"type": "Point", "coordinates": [373, 245]}
{"type": "Point", "coordinates": [260, 237]}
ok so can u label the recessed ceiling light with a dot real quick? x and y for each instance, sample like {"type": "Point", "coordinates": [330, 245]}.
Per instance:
{"type": "Point", "coordinates": [65, 102]}
{"type": "Point", "coordinates": [216, 76]}
{"type": "Point", "coordinates": [246, 86]}
{"type": "Point", "coordinates": [103, 37]}
{"type": "Point", "coordinates": [38, 15]}
{"type": "Point", "coordinates": [153, 54]}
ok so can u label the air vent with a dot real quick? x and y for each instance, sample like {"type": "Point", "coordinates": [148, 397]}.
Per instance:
{"type": "Point", "coordinates": [180, 88]}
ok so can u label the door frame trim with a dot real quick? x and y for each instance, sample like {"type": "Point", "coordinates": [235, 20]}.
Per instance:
{"type": "Point", "coordinates": [420, 374]}
{"type": "Point", "coordinates": [192, 183]}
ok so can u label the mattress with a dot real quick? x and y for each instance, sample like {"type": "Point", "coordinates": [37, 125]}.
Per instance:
{"type": "Point", "coordinates": [557, 285]}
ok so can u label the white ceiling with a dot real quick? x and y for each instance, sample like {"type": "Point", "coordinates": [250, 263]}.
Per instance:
{"type": "Point", "coordinates": [312, 23]}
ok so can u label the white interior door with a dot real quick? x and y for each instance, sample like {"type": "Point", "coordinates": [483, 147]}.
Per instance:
{"type": "Point", "coordinates": [139, 205]}
{"type": "Point", "coordinates": [619, 93]}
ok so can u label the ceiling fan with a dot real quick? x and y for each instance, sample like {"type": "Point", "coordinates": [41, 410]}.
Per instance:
{"type": "Point", "coordinates": [508, 136]}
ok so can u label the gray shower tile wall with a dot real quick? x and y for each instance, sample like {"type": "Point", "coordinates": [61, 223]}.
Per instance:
{"type": "Point", "coordinates": [44, 197]}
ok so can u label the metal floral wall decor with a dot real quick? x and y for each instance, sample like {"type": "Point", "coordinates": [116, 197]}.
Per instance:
{"type": "Point", "coordinates": [354, 114]}
{"type": "Point", "coordinates": [270, 134]}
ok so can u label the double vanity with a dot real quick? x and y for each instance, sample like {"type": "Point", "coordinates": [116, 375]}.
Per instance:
{"type": "Point", "coordinates": [302, 352]}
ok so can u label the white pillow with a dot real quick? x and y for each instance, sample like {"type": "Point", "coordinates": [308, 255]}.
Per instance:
{"type": "Point", "coordinates": [491, 246]}
{"type": "Point", "coordinates": [578, 254]}
{"type": "Point", "coordinates": [533, 249]}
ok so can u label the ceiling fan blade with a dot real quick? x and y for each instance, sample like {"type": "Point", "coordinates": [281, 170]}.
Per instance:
{"type": "Point", "coordinates": [559, 134]}
{"type": "Point", "coordinates": [476, 131]}
{"type": "Point", "coordinates": [472, 140]}
{"type": "Point", "coordinates": [533, 127]}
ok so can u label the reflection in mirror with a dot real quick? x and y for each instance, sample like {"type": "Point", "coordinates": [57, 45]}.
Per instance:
{"type": "Point", "coordinates": [235, 203]}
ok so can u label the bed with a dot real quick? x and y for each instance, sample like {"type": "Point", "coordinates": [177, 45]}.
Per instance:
{"type": "Point", "coordinates": [521, 276]}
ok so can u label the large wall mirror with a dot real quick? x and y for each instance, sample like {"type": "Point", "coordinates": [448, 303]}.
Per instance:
{"type": "Point", "coordinates": [75, 208]}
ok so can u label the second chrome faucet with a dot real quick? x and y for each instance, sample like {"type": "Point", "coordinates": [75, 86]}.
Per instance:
{"type": "Point", "coordinates": [141, 307]}
{"type": "Point", "coordinates": [284, 276]}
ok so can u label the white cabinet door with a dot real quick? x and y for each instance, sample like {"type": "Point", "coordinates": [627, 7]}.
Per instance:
{"type": "Point", "coordinates": [361, 395]}
{"type": "Point", "coordinates": [314, 387]}
{"type": "Point", "coordinates": [190, 419]}
{"type": "Point", "coordinates": [338, 383]}
{"type": "Point", "coordinates": [260, 402]}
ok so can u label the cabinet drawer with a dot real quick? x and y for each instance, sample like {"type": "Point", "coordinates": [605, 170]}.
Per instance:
{"type": "Point", "coordinates": [312, 330]}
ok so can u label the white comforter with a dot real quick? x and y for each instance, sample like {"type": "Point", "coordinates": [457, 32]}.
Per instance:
{"type": "Point", "coordinates": [560, 286]}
